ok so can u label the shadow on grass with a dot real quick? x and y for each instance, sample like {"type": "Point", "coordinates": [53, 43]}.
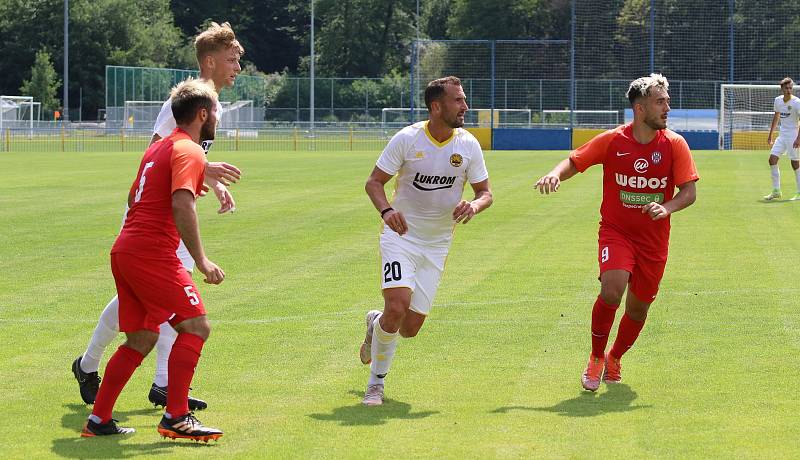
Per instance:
{"type": "Point", "coordinates": [359, 414]}
{"type": "Point", "coordinates": [114, 446]}
{"type": "Point", "coordinates": [618, 398]}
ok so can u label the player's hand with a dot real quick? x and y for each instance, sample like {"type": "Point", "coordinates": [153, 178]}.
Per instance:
{"type": "Point", "coordinates": [213, 274]}
{"type": "Point", "coordinates": [226, 202]}
{"type": "Point", "coordinates": [655, 210]}
{"type": "Point", "coordinates": [548, 183]}
{"type": "Point", "coordinates": [395, 220]}
{"type": "Point", "coordinates": [224, 173]}
{"type": "Point", "coordinates": [465, 211]}
{"type": "Point", "coordinates": [203, 189]}
{"type": "Point", "coordinates": [769, 140]}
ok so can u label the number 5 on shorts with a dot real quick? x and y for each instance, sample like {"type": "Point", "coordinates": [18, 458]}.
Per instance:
{"type": "Point", "coordinates": [193, 299]}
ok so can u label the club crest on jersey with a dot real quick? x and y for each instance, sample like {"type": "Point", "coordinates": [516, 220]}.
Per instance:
{"type": "Point", "coordinates": [456, 160]}
{"type": "Point", "coordinates": [433, 182]}
{"type": "Point", "coordinates": [656, 157]}
{"type": "Point", "coordinates": [641, 165]}
{"type": "Point", "coordinates": [419, 155]}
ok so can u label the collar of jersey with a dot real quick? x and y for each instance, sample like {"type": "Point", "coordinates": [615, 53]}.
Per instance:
{"type": "Point", "coordinates": [433, 139]}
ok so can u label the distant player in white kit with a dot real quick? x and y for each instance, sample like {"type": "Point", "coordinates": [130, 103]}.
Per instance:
{"type": "Point", "coordinates": [433, 161]}
{"type": "Point", "coordinates": [218, 53]}
{"type": "Point", "coordinates": [787, 109]}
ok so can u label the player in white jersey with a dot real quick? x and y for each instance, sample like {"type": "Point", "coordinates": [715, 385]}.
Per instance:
{"type": "Point", "coordinates": [787, 110]}
{"type": "Point", "coordinates": [218, 53]}
{"type": "Point", "coordinates": [433, 161]}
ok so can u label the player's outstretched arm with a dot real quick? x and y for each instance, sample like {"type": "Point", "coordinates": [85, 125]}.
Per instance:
{"type": "Point", "coordinates": [687, 194]}
{"type": "Point", "coordinates": [466, 210]}
{"type": "Point", "coordinates": [374, 188]}
{"type": "Point", "coordinates": [185, 215]}
{"type": "Point", "coordinates": [225, 173]}
{"type": "Point", "coordinates": [552, 180]}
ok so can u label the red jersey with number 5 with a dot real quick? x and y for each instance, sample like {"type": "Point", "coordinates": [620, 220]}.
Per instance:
{"type": "Point", "coordinates": [635, 174]}
{"type": "Point", "coordinates": [171, 164]}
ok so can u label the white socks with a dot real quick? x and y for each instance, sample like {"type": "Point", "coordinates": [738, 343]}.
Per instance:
{"type": "Point", "coordinates": [384, 345]}
{"type": "Point", "coordinates": [105, 332]}
{"type": "Point", "coordinates": [166, 338]}
{"type": "Point", "coordinates": [776, 177]}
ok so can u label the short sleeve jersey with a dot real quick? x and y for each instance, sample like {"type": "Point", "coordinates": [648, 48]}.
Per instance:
{"type": "Point", "coordinates": [431, 177]}
{"type": "Point", "coordinates": [635, 174]}
{"type": "Point", "coordinates": [175, 163]}
{"type": "Point", "coordinates": [789, 113]}
{"type": "Point", "coordinates": [165, 123]}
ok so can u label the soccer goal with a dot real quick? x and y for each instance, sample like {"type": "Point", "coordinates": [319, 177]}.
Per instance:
{"type": "Point", "coordinates": [16, 112]}
{"type": "Point", "coordinates": [140, 114]}
{"type": "Point", "coordinates": [745, 114]}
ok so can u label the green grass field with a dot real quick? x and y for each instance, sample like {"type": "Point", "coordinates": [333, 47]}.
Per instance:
{"type": "Point", "coordinates": [494, 372]}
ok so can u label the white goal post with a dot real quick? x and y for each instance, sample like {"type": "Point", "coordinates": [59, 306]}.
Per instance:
{"type": "Point", "coordinates": [12, 115]}
{"type": "Point", "coordinates": [143, 114]}
{"type": "Point", "coordinates": [745, 115]}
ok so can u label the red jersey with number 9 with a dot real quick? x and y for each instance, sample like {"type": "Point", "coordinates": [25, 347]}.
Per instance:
{"type": "Point", "coordinates": [634, 175]}
{"type": "Point", "coordinates": [171, 164]}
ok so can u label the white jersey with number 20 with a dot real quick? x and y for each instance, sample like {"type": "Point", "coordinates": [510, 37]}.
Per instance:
{"type": "Point", "coordinates": [431, 176]}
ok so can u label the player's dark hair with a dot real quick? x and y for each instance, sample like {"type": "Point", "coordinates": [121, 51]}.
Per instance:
{"type": "Point", "coordinates": [435, 89]}
{"type": "Point", "coordinates": [189, 97]}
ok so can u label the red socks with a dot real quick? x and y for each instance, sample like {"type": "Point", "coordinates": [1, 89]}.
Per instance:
{"type": "Point", "coordinates": [182, 362]}
{"type": "Point", "coordinates": [602, 320]}
{"type": "Point", "coordinates": [629, 330]}
{"type": "Point", "coordinates": [119, 370]}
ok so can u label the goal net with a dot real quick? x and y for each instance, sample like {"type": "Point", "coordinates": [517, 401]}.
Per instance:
{"type": "Point", "coordinates": [16, 113]}
{"type": "Point", "coordinates": [583, 118]}
{"type": "Point", "coordinates": [745, 115]}
{"type": "Point", "coordinates": [143, 114]}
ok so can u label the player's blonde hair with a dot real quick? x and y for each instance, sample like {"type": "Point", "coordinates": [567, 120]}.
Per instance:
{"type": "Point", "coordinates": [189, 96]}
{"type": "Point", "coordinates": [787, 81]}
{"type": "Point", "coordinates": [217, 37]}
{"type": "Point", "coordinates": [641, 86]}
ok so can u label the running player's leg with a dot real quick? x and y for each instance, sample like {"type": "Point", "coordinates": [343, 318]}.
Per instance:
{"type": "Point", "coordinates": [616, 260]}
{"type": "Point", "coordinates": [775, 172]}
{"type": "Point", "coordinates": [104, 333]}
{"type": "Point", "coordinates": [85, 367]}
{"type": "Point", "coordinates": [642, 291]}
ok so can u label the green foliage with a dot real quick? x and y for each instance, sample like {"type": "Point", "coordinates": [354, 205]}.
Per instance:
{"type": "Point", "coordinates": [44, 82]}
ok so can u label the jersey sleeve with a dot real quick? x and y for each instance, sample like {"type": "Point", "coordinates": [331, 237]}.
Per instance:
{"type": "Point", "coordinates": [188, 167]}
{"type": "Point", "coordinates": [593, 152]}
{"type": "Point", "coordinates": [683, 168]}
{"type": "Point", "coordinates": [476, 169]}
{"type": "Point", "coordinates": [165, 122]}
{"type": "Point", "coordinates": [775, 106]}
{"type": "Point", "coordinates": [393, 155]}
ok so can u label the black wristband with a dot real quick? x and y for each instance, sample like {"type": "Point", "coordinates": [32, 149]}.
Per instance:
{"type": "Point", "coordinates": [386, 210]}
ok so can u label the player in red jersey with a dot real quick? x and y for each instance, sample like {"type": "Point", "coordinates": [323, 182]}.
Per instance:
{"type": "Point", "coordinates": [152, 285]}
{"type": "Point", "coordinates": [643, 162]}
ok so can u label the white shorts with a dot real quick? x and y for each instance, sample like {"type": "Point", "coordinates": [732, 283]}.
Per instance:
{"type": "Point", "coordinates": [411, 265]}
{"type": "Point", "coordinates": [783, 145]}
{"type": "Point", "coordinates": [183, 254]}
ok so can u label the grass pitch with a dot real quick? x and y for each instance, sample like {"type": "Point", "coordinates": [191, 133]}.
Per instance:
{"type": "Point", "coordinates": [495, 370]}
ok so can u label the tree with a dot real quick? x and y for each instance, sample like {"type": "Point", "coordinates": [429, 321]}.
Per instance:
{"type": "Point", "coordinates": [44, 82]}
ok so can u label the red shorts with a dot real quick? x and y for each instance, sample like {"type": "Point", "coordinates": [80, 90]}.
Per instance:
{"type": "Point", "coordinates": [616, 252]}
{"type": "Point", "coordinates": [152, 291]}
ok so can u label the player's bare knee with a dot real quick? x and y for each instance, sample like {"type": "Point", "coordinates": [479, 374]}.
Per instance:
{"type": "Point", "coordinates": [142, 341]}
{"type": "Point", "coordinates": [612, 295]}
{"type": "Point", "coordinates": [198, 326]}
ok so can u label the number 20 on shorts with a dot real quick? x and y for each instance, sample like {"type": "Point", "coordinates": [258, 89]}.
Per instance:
{"type": "Point", "coordinates": [392, 272]}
